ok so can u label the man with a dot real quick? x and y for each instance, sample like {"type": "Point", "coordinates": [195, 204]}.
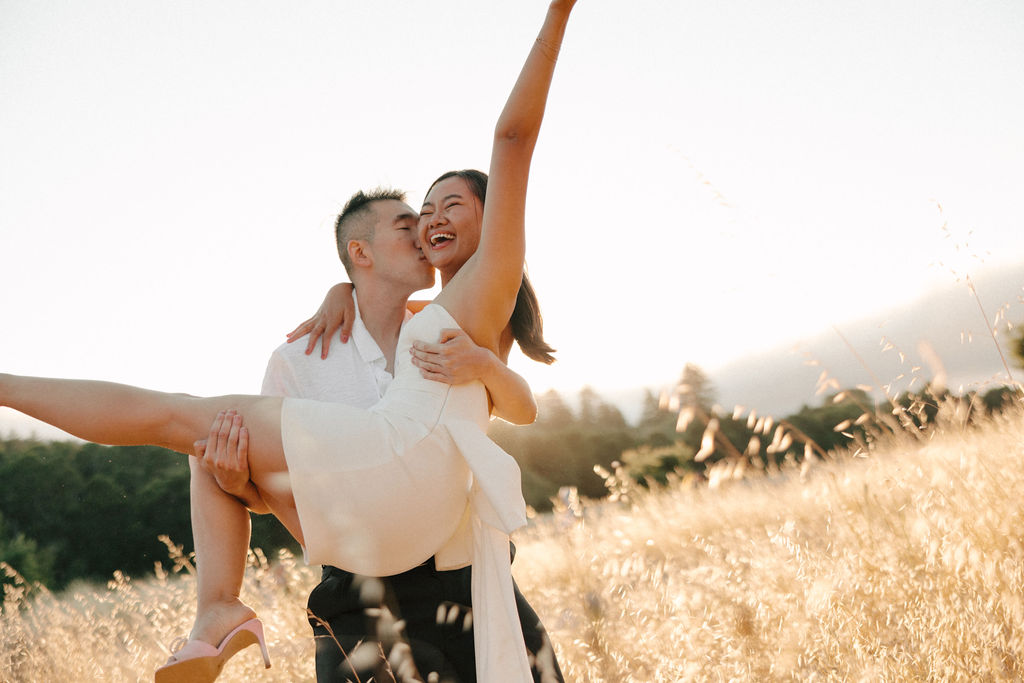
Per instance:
{"type": "Point", "coordinates": [377, 241]}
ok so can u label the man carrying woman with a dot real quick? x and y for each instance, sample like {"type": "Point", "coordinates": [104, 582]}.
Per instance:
{"type": "Point", "coordinates": [386, 264]}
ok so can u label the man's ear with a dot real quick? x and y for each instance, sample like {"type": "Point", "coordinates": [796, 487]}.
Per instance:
{"type": "Point", "coordinates": [360, 254]}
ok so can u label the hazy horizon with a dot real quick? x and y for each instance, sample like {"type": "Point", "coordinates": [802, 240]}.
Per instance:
{"type": "Point", "coordinates": [958, 339]}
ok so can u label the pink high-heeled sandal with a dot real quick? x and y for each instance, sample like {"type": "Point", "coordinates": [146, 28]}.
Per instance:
{"type": "Point", "coordinates": [199, 662]}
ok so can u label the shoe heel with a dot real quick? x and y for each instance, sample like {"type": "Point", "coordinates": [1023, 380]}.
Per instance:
{"type": "Point", "coordinates": [257, 630]}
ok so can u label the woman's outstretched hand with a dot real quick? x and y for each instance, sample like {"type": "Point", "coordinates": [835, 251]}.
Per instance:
{"type": "Point", "coordinates": [337, 312]}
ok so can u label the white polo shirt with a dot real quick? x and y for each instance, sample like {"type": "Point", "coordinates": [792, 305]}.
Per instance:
{"type": "Point", "coordinates": [353, 373]}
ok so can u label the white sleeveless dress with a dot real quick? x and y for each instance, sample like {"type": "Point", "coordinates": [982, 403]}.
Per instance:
{"type": "Point", "coordinates": [382, 490]}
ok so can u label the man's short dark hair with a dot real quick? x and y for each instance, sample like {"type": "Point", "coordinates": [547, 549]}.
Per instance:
{"type": "Point", "coordinates": [356, 222]}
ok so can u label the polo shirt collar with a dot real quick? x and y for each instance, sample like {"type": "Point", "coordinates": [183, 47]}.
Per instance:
{"type": "Point", "coordinates": [367, 347]}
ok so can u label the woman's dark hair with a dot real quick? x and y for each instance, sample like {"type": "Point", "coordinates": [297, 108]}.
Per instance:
{"type": "Point", "coordinates": [527, 323]}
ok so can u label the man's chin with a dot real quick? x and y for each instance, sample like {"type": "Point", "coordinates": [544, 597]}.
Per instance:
{"type": "Point", "coordinates": [426, 284]}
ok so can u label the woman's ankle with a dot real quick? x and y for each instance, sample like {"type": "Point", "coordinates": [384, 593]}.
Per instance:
{"type": "Point", "coordinates": [225, 605]}
{"type": "Point", "coordinates": [216, 619]}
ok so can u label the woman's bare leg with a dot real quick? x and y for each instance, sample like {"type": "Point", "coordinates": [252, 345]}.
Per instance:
{"type": "Point", "coordinates": [220, 531]}
{"type": "Point", "coordinates": [118, 414]}
{"type": "Point", "coordinates": [123, 415]}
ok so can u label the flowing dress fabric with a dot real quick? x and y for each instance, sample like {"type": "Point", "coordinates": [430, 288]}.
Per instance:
{"type": "Point", "coordinates": [380, 491]}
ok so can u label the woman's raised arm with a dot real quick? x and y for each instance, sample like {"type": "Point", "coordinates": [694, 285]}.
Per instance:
{"type": "Point", "coordinates": [484, 291]}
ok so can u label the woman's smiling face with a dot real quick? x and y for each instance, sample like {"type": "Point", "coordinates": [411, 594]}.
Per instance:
{"type": "Point", "coordinates": [449, 225]}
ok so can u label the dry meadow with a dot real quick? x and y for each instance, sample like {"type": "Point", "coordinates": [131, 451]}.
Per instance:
{"type": "Point", "coordinates": [901, 562]}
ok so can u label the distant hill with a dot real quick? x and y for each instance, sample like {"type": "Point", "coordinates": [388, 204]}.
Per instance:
{"type": "Point", "coordinates": [779, 381]}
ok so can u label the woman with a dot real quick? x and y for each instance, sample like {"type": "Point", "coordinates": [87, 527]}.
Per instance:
{"type": "Point", "coordinates": [426, 437]}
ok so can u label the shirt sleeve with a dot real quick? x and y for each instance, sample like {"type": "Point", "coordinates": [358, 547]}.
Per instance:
{"type": "Point", "coordinates": [279, 379]}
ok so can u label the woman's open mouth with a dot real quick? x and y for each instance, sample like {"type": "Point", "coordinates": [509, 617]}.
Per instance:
{"type": "Point", "coordinates": [439, 239]}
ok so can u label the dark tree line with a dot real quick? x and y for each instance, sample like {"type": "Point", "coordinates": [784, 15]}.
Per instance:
{"type": "Point", "coordinates": [685, 433]}
{"type": "Point", "coordinates": [564, 445]}
{"type": "Point", "coordinates": [80, 510]}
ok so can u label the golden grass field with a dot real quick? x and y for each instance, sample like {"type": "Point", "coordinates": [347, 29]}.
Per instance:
{"type": "Point", "coordinates": [902, 563]}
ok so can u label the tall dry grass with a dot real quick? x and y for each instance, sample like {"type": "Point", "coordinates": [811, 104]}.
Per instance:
{"type": "Point", "coordinates": [122, 632]}
{"type": "Point", "coordinates": [905, 563]}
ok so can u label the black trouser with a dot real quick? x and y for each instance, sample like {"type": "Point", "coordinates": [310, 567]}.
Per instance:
{"type": "Point", "coordinates": [433, 604]}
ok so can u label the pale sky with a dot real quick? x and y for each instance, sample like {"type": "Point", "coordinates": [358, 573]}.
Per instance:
{"type": "Point", "coordinates": [711, 179]}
